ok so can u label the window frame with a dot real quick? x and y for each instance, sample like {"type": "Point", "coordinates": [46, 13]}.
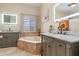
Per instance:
{"type": "Point", "coordinates": [9, 15]}
{"type": "Point", "coordinates": [34, 24]}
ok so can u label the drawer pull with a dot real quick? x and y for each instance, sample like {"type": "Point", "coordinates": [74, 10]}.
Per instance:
{"type": "Point", "coordinates": [60, 45]}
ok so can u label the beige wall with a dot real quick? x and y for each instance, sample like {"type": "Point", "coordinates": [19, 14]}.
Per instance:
{"type": "Point", "coordinates": [18, 9]}
{"type": "Point", "coordinates": [45, 24]}
{"type": "Point", "coordinates": [60, 14]}
{"type": "Point", "coordinates": [74, 24]}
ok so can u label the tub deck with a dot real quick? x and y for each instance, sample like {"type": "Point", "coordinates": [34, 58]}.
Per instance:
{"type": "Point", "coordinates": [32, 39]}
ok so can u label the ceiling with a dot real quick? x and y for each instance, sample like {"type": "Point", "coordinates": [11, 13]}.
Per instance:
{"type": "Point", "coordinates": [35, 4]}
{"type": "Point", "coordinates": [65, 8]}
{"type": "Point", "coordinates": [31, 4]}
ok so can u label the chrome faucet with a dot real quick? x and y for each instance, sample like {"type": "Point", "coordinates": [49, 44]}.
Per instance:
{"type": "Point", "coordinates": [60, 30]}
{"type": "Point", "coordinates": [9, 29]}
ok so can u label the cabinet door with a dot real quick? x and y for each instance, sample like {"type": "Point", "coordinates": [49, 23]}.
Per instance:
{"type": "Point", "coordinates": [1, 42]}
{"type": "Point", "coordinates": [5, 41]}
{"type": "Point", "coordinates": [60, 49]}
{"type": "Point", "coordinates": [48, 49]}
{"type": "Point", "coordinates": [12, 40]}
{"type": "Point", "coordinates": [53, 47]}
{"type": "Point", "coordinates": [68, 50]}
{"type": "Point", "coordinates": [48, 46]}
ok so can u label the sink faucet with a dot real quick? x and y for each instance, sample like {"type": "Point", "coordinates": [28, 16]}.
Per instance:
{"type": "Point", "coordinates": [60, 30]}
{"type": "Point", "coordinates": [61, 27]}
{"type": "Point", "coordinates": [9, 29]}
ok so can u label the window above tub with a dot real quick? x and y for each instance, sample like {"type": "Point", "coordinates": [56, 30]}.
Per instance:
{"type": "Point", "coordinates": [9, 19]}
{"type": "Point", "coordinates": [29, 23]}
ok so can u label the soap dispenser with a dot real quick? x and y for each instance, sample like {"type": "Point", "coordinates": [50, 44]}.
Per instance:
{"type": "Point", "coordinates": [50, 28]}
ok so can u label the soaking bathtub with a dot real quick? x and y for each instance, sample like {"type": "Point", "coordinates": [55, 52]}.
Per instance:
{"type": "Point", "coordinates": [30, 44]}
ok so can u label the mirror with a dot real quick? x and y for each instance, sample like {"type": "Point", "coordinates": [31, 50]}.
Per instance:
{"type": "Point", "coordinates": [9, 19]}
{"type": "Point", "coordinates": [66, 11]}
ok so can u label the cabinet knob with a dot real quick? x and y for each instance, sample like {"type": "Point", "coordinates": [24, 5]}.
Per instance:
{"type": "Point", "coordinates": [60, 45]}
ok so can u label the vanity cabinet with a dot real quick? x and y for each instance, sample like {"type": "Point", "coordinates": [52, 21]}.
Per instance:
{"type": "Point", "coordinates": [9, 39]}
{"type": "Point", "coordinates": [49, 46]}
{"type": "Point", "coordinates": [56, 47]}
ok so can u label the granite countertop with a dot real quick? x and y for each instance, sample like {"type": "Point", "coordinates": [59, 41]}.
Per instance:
{"type": "Point", "coordinates": [68, 38]}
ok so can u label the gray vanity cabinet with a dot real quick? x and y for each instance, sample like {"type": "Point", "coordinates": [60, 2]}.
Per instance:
{"type": "Point", "coordinates": [9, 39]}
{"type": "Point", "coordinates": [56, 47]}
{"type": "Point", "coordinates": [53, 47]}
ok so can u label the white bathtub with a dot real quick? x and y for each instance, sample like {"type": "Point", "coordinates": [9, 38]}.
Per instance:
{"type": "Point", "coordinates": [32, 39]}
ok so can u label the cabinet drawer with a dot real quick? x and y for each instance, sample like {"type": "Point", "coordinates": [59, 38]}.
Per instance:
{"type": "Point", "coordinates": [60, 49]}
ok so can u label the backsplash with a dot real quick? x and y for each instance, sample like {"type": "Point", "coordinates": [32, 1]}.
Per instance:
{"type": "Point", "coordinates": [5, 27]}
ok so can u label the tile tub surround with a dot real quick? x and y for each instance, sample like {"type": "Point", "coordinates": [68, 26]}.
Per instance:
{"type": "Point", "coordinates": [32, 47]}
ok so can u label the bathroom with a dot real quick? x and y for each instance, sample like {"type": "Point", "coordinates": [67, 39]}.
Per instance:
{"type": "Point", "coordinates": [24, 27]}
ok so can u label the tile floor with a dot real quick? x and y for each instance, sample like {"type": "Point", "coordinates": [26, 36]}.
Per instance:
{"type": "Point", "coordinates": [14, 51]}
